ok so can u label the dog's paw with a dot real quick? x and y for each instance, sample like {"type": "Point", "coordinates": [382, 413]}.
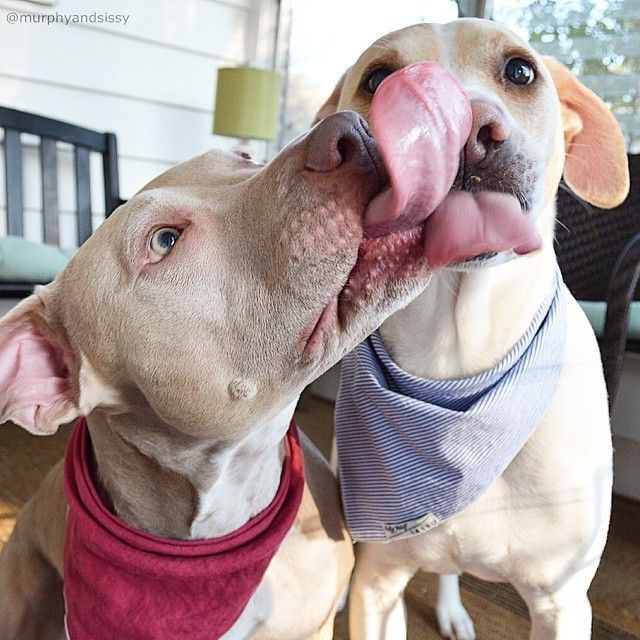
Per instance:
{"type": "Point", "coordinates": [455, 623]}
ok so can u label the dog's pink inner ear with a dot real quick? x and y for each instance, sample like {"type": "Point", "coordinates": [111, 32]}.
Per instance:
{"type": "Point", "coordinates": [35, 389]}
{"type": "Point", "coordinates": [596, 166]}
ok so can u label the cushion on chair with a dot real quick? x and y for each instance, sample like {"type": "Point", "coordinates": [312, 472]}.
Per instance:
{"type": "Point", "coordinates": [30, 262]}
{"type": "Point", "coordinates": [597, 311]}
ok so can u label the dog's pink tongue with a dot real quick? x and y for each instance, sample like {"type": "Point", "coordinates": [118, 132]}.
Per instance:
{"type": "Point", "coordinates": [421, 119]}
{"type": "Point", "coordinates": [468, 224]}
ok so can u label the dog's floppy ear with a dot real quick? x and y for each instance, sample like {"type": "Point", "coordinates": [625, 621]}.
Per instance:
{"type": "Point", "coordinates": [39, 373]}
{"type": "Point", "coordinates": [596, 165]}
{"type": "Point", "coordinates": [331, 105]}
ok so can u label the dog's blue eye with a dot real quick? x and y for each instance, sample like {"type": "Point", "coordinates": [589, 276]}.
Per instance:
{"type": "Point", "coordinates": [375, 78]}
{"type": "Point", "coordinates": [519, 71]}
{"type": "Point", "coordinates": [163, 240]}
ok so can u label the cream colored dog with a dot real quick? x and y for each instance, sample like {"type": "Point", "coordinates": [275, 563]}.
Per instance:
{"type": "Point", "coordinates": [184, 329]}
{"type": "Point", "coordinates": [542, 525]}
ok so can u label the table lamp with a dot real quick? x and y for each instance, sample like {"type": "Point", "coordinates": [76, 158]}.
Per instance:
{"type": "Point", "coordinates": [247, 104]}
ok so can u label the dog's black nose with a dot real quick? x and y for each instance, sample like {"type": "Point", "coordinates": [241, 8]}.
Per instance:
{"type": "Point", "coordinates": [489, 130]}
{"type": "Point", "coordinates": [341, 140]}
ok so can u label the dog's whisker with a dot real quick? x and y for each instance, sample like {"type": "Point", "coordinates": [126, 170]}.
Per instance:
{"type": "Point", "coordinates": [447, 284]}
{"type": "Point", "coordinates": [526, 200]}
{"type": "Point", "coordinates": [583, 203]}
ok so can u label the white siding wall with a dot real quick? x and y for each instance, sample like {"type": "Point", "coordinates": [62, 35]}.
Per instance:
{"type": "Point", "coordinates": [151, 82]}
{"type": "Point", "coordinates": [625, 423]}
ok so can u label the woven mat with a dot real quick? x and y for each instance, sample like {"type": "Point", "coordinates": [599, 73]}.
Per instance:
{"type": "Point", "coordinates": [497, 610]}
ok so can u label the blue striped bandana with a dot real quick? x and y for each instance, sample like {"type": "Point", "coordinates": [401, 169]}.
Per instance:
{"type": "Point", "coordinates": [414, 452]}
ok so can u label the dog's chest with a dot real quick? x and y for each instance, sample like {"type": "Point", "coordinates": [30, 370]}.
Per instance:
{"type": "Point", "coordinates": [552, 490]}
{"type": "Point", "coordinates": [479, 540]}
{"type": "Point", "coordinates": [415, 452]}
{"type": "Point", "coordinates": [239, 495]}
{"type": "Point", "coordinates": [247, 478]}
{"type": "Point", "coordinates": [305, 563]}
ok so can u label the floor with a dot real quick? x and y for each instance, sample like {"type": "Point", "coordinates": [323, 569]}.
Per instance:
{"type": "Point", "coordinates": [498, 612]}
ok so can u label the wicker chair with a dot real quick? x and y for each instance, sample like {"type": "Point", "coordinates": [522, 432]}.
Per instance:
{"type": "Point", "coordinates": [599, 256]}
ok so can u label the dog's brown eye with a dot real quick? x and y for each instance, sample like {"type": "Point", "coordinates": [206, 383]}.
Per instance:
{"type": "Point", "coordinates": [519, 71]}
{"type": "Point", "coordinates": [375, 78]}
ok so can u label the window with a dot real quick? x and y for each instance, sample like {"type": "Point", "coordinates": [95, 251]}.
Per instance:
{"type": "Point", "coordinates": [599, 40]}
{"type": "Point", "coordinates": [327, 37]}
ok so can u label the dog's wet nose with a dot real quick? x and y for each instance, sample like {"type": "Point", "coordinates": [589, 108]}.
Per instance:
{"type": "Point", "coordinates": [489, 130]}
{"type": "Point", "coordinates": [340, 140]}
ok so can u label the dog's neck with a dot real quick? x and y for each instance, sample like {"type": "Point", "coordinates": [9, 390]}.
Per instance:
{"type": "Point", "coordinates": [467, 322]}
{"type": "Point", "coordinates": [163, 482]}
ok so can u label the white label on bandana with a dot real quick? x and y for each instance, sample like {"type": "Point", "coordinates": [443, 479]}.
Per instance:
{"type": "Point", "coordinates": [411, 528]}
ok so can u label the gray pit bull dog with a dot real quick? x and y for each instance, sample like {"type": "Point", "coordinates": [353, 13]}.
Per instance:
{"type": "Point", "coordinates": [184, 330]}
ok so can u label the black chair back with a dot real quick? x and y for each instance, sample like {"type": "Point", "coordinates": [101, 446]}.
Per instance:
{"type": "Point", "coordinates": [599, 256]}
{"type": "Point", "coordinates": [50, 131]}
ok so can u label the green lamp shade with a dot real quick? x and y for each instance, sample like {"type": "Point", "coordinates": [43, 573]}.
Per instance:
{"type": "Point", "coordinates": [247, 103]}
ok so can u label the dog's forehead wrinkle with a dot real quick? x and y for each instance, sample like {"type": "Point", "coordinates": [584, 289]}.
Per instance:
{"type": "Point", "coordinates": [190, 196]}
{"type": "Point", "coordinates": [471, 44]}
{"type": "Point", "coordinates": [481, 32]}
{"type": "Point", "coordinates": [399, 48]}
{"type": "Point", "coordinates": [212, 167]}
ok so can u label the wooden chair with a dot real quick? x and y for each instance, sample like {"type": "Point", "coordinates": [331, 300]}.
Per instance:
{"type": "Point", "coordinates": [599, 256]}
{"type": "Point", "coordinates": [50, 132]}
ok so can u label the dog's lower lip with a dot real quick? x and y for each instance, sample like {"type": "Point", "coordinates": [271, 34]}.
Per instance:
{"type": "Point", "coordinates": [381, 173]}
{"type": "Point", "coordinates": [479, 258]}
{"type": "Point", "coordinates": [522, 199]}
{"type": "Point", "coordinates": [323, 324]}
{"type": "Point", "coordinates": [334, 317]}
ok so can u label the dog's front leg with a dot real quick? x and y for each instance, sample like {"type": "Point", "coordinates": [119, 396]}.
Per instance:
{"type": "Point", "coordinates": [453, 618]}
{"type": "Point", "coordinates": [570, 621]}
{"type": "Point", "coordinates": [561, 615]}
{"type": "Point", "coordinates": [31, 603]}
{"type": "Point", "coordinates": [376, 604]}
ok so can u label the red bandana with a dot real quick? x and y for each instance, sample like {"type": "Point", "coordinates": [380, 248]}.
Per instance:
{"type": "Point", "coordinates": [123, 583]}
